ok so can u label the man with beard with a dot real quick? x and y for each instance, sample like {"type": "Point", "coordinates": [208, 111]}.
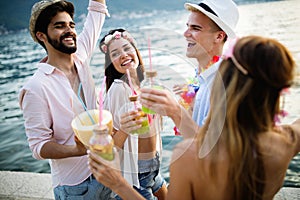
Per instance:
{"type": "Point", "coordinates": [49, 99]}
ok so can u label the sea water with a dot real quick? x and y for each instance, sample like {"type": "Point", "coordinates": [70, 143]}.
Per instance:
{"type": "Point", "coordinates": [19, 55]}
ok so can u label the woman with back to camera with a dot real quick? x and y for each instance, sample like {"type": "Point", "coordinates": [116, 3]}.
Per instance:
{"type": "Point", "coordinates": [240, 152]}
{"type": "Point", "coordinates": [140, 156]}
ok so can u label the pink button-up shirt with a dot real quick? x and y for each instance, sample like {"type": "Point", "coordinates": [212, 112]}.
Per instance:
{"type": "Point", "coordinates": [49, 103]}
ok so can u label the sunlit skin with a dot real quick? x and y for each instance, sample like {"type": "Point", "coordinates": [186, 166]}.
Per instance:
{"type": "Point", "coordinates": [123, 55]}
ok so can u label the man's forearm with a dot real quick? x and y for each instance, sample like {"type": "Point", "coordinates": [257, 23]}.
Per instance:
{"type": "Point", "coordinates": [53, 150]}
{"type": "Point", "coordinates": [184, 122]}
{"type": "Point", "coordinates": [101, 1]}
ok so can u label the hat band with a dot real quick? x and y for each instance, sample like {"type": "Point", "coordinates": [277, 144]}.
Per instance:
{"type": "Point", "coordinates": [207, 8]}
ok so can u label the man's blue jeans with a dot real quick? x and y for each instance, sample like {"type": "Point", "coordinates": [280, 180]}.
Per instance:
{"type": "Point", "coordinates": [88, 190]}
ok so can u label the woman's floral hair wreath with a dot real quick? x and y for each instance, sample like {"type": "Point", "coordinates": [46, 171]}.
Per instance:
{"type": "Point", "coordinates": [229, 54]}
{"type": "Point", "coordinates": [115, 36]}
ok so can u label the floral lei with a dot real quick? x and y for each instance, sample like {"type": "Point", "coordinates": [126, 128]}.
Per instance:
{"type": "Point", "coordinates": [192, 88]}
{"type": "Point", "coordinates": [193, 85]}
{"type": "Point", "coordinates": [115, 36]}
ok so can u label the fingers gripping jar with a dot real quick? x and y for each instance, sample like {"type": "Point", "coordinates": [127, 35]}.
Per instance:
{"type": "Point", "coordinates": [135, 105]}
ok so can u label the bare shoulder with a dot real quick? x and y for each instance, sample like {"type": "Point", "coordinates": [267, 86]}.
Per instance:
{"type": "Point", "coordinates": [278, 148]}
{"type": "Point", "coordinates": [190, 176]}
{"type": "Point", "coordinates": [185, 150]}
{"type": "Point", "coordinates": [281, 143]}
{"type": "Point", "coordinates": [182, 167]}
{"type": "Point", "coordinates": [290, 135]}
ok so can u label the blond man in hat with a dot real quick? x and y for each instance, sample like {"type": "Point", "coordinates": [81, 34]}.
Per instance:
{"type": "Point", "coordinates": [210, 24]}
{"type": "Point", "coordinates": [49, 99]}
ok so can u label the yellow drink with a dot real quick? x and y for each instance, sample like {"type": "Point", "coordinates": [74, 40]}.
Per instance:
{"type": "Point", "coordinates": [105, 152]}
{"type": "Point", "coordinates": [102, 143]}
{"type": "Point", "coordinates": [145, 124]}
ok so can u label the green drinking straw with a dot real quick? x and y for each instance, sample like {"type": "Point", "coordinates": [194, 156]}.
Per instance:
{"type": "Point", "coordinates": [82, 103]}
{"type": "Point", "coordinates": [74, 111]}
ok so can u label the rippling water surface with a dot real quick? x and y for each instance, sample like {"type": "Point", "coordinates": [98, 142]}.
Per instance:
{"type": "Point", "coordinates": [18, 56]}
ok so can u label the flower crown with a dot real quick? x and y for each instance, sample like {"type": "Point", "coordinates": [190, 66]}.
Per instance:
{"type": "Point", "coordinates": [229, 54]}
{"type": "Point", "coordinates": [115, 36]}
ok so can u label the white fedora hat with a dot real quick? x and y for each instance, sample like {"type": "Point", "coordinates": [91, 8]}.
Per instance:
{"type": "Point", "coordinates": [223, 12]}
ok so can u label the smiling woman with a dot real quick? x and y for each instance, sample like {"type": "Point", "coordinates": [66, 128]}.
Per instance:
{"type": "Point", "coordinates": [123, 55]}
{"type": "Point", "coordinates": [124, 71]}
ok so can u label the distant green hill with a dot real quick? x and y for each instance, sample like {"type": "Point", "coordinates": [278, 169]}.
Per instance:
{"type": "Point", "coordinates": [15, 14]}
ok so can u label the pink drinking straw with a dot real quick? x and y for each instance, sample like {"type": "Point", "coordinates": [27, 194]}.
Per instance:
{"type": "Point", "coordinates": [150, 60]}
{"type": "Point", "coordinates": [101, 101]}
{"type": "Point", "coordinates": [149, 51]}
{"type": "Point", "coordinates": [130, 85]}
